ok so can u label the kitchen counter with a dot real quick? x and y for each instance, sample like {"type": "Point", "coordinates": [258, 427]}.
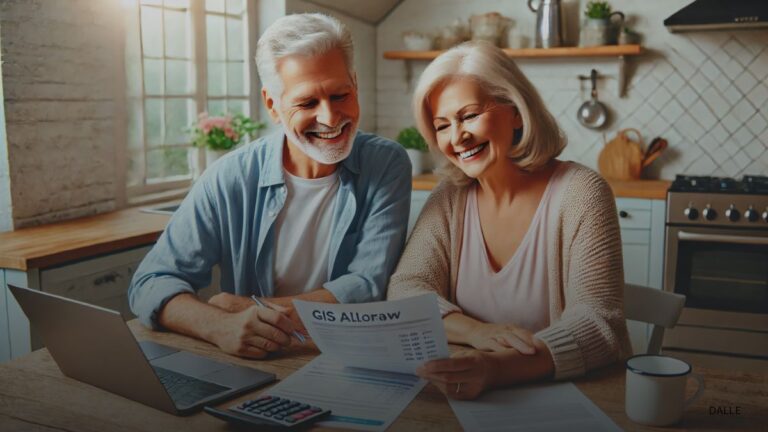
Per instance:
{"type": "Point", "coordinates": [645, 189]}
{"type": "Point", "coordinates": [57, 243]}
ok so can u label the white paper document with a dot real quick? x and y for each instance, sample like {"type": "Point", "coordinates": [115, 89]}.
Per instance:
{"type": "Point", "coordinates": [360, 399]}
{"type": "Point", "coordinates": [370, 351]}
{"type": "Point", "coordinates": [395, 336]}
{"type": "Point", "coordinates": [540, 408]}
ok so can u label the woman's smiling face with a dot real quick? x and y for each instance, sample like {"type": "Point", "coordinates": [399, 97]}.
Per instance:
{"type": "Point", "coordinates": [472, 129]}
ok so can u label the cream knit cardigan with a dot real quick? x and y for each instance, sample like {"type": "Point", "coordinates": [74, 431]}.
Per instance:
{"type": "Point", "coordinates": [586, 280]}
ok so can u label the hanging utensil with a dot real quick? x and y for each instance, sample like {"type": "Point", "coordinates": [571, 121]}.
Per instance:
{"type": "Point", "coordinates": [657, 146]}
{"type": "Point", "coordinates": [592, 113]}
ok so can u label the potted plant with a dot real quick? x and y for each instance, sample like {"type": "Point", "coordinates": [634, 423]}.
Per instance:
{"type": "Point", "coordinates": [596, 29]}
{"type": "Point", "coordinates": [416, 147]}
{"type": "Point", "coordinates": [219, 135]}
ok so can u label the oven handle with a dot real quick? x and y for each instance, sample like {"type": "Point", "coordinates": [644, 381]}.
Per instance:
{"type": "Point", "coordinates": [719, 238]}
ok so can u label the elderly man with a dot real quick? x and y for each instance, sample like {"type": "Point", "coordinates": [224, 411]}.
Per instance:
{"type": "Point", "coordinates": [317, 211]}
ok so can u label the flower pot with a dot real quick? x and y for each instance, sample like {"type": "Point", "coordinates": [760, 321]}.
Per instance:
{"type": "Point", "coordinates": [418, 161]}
{"type": "Point", "coordinates": [594, 32]}
{"type": "Point", "coordinates": [212, 156]}
{"type": "Point", "coordinates": [601, 31]}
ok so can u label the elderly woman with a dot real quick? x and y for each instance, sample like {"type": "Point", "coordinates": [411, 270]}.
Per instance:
{"type": "Point", "coordinates": [523, 250]}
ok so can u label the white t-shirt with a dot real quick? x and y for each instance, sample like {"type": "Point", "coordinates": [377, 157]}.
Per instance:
{"type": "Point", "coordinates": [303, 232]}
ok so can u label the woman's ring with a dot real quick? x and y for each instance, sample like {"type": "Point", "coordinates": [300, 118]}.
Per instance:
{"type": "Point", "coordinates": [458, 388]}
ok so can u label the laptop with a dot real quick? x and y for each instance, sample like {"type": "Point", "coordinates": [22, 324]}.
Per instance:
{"type": "Point", "coordinates": [94, 345]}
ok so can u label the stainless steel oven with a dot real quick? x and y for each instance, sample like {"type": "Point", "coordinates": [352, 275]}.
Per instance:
{"type": "Point", "coordinates": [717, 256]}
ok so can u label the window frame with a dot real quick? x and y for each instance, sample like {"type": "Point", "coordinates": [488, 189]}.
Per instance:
{"type": "Point", "coordinates": [175, 187]}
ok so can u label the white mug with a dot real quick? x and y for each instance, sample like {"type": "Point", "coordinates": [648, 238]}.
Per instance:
{"type": "Point", "coordinates": [655, 389]}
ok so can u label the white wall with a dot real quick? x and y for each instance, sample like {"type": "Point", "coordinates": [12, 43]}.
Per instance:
{"type": "Point", "coordinates": [705, 92]}
{"type": "Point", "coordinates": [60, 63]}
{"type": "Point", "coordinates": [364, 36]}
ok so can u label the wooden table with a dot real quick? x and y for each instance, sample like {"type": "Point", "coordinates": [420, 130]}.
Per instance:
{"type": "Point", "coordinates": [35, 396]}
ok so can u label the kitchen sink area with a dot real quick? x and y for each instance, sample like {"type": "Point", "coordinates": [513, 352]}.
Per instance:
{"type": "Point", "coordinates": [167, 209]}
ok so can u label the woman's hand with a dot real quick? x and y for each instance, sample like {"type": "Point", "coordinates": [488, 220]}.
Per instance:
{"type": "Point", "coordinates": [501, 337]}
{"type": "Point", "coordinates": [465, 375]}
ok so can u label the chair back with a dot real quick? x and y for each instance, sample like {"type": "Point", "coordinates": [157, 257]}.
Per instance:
{"type": "Point", "coordinates": [653, 306]}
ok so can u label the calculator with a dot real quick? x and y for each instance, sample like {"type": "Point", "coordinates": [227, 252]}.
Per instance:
{"type": "Point", "coordinates": [271, 411]}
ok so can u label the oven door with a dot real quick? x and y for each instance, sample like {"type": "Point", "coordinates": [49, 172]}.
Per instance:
{"type": "Point", "coordinates": [722, 272]}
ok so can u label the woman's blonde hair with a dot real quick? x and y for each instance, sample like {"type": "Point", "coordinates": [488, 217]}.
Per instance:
{"type": "Point", "coordinates": [541, 141]}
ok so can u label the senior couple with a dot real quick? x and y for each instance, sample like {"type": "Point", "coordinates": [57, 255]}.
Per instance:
{"type": "Point", "coordinates": [522, 249]}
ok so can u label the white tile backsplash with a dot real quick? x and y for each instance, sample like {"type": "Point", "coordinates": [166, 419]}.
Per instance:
{"type": "Point", "coordinates": [757, 123]}
{"type": "Point", "coordinates": [705, 92]}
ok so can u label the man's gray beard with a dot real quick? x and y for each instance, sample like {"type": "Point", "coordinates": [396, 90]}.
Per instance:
{"type": "Point", "coordinates": [328, 155]}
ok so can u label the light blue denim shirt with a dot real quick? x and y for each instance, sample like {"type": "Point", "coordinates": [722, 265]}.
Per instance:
{"type": "Point", "coordinates": [228, 219]}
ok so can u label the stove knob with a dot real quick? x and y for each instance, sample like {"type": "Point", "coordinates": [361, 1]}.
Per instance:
{"type": "Point", "coordinates": [732, 214]}
{"type": "Point", "coordinates": [709, 213]}
{"type": "Point", "coordinates": [691, 213]}
{"type": "Point", "coordinates": [751, 215]}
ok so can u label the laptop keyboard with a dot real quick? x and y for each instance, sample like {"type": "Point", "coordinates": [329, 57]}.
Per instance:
{"type": "Point", "coordinates": [185, 390]}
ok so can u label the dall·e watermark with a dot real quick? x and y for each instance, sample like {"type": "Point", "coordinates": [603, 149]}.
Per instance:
{"type": "Point", "coordinates": [725, 410]}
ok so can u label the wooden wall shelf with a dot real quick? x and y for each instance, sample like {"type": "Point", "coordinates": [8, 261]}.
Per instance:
{"type": "Point", "coordinates": [600, 51]}
{"type": "Point", "coordinates": [618, 51]}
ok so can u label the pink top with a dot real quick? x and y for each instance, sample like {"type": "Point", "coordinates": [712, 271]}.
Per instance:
{"type": "Point", "coordinates": [517, 294]}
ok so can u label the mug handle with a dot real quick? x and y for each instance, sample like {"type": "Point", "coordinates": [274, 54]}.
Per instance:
{"type": "Point", "coordinates": [699, 391]}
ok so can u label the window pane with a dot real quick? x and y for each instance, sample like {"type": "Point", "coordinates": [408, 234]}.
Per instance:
{"type": "Point", "coordinates": [214, 28]}
{"type": "Point", "coordinates": [217, 81]}
{"type": "Point", "coordinates": [178, 118]}
{"type": "Point", "coordinates": [236, 79]}
{"type": "Point", "coordinates": [176, 39]}
{"type": "Point", "coordinates": [177, 77]}
{"type": "Point", "coordinates": [217, 107]}
{"type": "Point", "coordinates": [235, 39]}
{"type": "Point", "coordinates": [153, 118]}
{"type": "Point", "coordinates": [153, 77]}
{"type": "Point", "coordinates": [214, 5]}
{"type": "Point", "coordinates": [135, 171]}
{"type": "Point", "coordinates": [151, 31]}
{"type": "Point", "coordinates": [237, 106]}
{"type": "Point", "coordinates": [234, 7]}
{"type": "Point", "coordinates": [177, 3]}
{"type": "Point", "coordinates": [167, 162]}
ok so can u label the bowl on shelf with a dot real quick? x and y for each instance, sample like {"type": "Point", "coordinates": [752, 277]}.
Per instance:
{"type": "Point", "coordinates": [415, 41]}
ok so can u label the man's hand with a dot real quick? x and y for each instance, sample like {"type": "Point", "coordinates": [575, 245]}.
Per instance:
{"type": "Point", "coordinates": [253, 332]}
{"type": "Point", "coordinates": [230, 302]}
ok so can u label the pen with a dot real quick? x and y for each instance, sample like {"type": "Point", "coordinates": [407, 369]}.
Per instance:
{"type": "Point", "coordinates": [258, 301]}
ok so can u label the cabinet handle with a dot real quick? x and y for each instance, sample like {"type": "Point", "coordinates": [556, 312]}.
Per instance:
{"type": "Point", "coordinates": [623, 214]}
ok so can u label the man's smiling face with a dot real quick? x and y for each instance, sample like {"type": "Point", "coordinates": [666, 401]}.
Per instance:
{"type": "Point", "coordinates": [318, 108]}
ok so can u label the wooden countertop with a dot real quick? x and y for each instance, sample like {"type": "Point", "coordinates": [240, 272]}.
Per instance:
{"type": "Point", "coordinates": [56, 243]}
{"type": "Point", "coordinates": [37, 396]}
{"type": "Point", "coordinates": [646, 189]}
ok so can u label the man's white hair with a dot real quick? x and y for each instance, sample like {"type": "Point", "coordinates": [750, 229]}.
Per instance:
{"type": "Point", "coordinates": [309, 34]}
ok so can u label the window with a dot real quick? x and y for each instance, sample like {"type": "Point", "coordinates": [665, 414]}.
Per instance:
{"type": "Point", "coordinates": [191, 57]}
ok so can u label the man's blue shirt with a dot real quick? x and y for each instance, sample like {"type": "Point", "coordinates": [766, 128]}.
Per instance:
{"type": "Point", "coordinates": [228, 218]}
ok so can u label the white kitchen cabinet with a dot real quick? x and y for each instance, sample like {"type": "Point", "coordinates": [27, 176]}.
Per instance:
{"type": "Point", "coordinates": [642, 243]}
